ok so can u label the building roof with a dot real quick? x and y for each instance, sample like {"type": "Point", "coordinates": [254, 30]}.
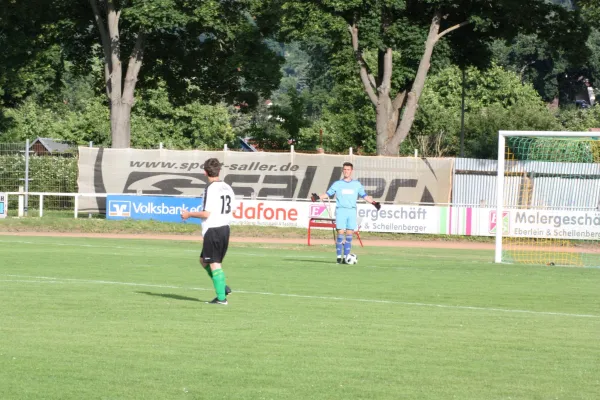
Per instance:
{"type": "Point", "coordinates": [246, 145]}
{"type": "Point", "coordinates": [52, 145]}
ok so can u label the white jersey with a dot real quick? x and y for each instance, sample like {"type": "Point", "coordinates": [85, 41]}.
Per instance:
{"type": "Point", "coordinates": [219, 200]}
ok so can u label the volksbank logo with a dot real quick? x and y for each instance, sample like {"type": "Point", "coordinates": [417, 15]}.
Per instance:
{"type": "Point", "coordinates": [118, 208]}
{"type": "Point", "coordinates": [161, 208]}
{"type": "Point", "coordinates": [123, 209]}
{"type": "Point", "coordinates": [165, 209]}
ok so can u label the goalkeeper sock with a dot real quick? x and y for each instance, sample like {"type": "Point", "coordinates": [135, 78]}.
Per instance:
{"type": "Point", "coordinates": [218, 277]}
{"type": "Point", "coordinates": [338, 245]}
{"type": "Point", "coordinates": [208, 271]}
{"type": "Point", "coordinates": [348, 245]}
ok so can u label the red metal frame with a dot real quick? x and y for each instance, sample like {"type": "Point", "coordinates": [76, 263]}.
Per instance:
{"type": "Point", "coordinates": [328, 223]}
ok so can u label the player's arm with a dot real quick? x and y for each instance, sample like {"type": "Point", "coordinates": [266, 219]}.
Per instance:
{"type": "Point", "coordinates": [194, 214]}
{"type": "Point", "coordinates": [368, 199]}
{"type": "Point", "coordinates": [330, 193]}
{"type": "Point", "coordinates": [316, 197]}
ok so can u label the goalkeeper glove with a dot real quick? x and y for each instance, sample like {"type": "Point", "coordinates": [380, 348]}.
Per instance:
{"type": "Point", "coordinates": [314, 197]}
{"type": "Point", "coordinates": [377, 205]}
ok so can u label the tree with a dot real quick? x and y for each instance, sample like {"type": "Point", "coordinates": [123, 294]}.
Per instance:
{"type": "Point", "coordinates": [210, 50]}
{"type": "Point", "coordinates": [496, 99]}
{"type": "Point", "coordinates": [155, 119]}
{"type": "Point", "coordinates": [22, 52]}
{"type": "Point", "coordinates": [402, 36]}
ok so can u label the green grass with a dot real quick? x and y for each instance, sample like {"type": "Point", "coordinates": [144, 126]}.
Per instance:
{"type": "Point", "coordinates": [126, 319]}
{"type": "Point", "coordinates": [62, 221]}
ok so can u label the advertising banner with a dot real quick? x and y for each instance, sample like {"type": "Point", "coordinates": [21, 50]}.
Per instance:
{"type": "Point", "coordinates": [582, 225]}
{"type": "Point", "coordinates": [402, 219]}
{"type": "Point", "coordinates": [165, 209]}
{"type": "Point", "coordinates": [3, 205]}
{"type": "Point", "coordinates": [391, 218]}
{"type": "Point", "coordinates": [556, 224]}
{"type": "Point", "coordinates": [270, 176]}
{"type": "Point", "coordinates": [290, 214]}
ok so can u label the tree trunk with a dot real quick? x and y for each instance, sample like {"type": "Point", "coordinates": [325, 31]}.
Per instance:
{"type": "Point", "coordinates": [120, 93]}
{"type": "Point", "coordinates": [120, 125]}
{"type": "Point", "coordinates": [395, 118]}
{"type": "Point", "coordinates": [412, 101]}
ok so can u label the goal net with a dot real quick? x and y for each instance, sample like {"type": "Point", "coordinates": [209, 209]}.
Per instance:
{"type": "Point", "coordinates": [548, 205]}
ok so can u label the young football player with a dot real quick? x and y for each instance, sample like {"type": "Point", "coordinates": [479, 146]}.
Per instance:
{"type": "Point", "coordinates": [215, 216]}
{"type": "Point", "coordinates": [346, 192]}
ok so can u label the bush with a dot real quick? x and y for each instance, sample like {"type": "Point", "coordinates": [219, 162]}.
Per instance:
{"type": "Point", "coordinates": [46, 174]}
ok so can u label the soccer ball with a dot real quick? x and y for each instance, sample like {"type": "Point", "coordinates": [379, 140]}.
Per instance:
{"type": "Point", "coordinates": [351, 259]}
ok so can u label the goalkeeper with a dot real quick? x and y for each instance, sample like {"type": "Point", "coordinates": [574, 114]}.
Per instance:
{"type": "Point", "coordinates": [346, 193]}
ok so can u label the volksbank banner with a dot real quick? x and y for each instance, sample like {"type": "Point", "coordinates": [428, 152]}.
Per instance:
{"type": "Point", "coordinates": [165, 209]}
{"type": "Point", "coordinates": [264, 175]}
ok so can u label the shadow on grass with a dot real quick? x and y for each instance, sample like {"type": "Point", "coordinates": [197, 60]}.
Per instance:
{"type": "Point", "coordinates": [170, 296]}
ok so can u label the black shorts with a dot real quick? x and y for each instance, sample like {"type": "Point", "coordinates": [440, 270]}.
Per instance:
{"type": "Point", "coordinates": [214, 247]}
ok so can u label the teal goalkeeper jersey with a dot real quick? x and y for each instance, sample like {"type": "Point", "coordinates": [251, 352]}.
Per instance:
{"type": "Point", "coordinates": [346, 193]}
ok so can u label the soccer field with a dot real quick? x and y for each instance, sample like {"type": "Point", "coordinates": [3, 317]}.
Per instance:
{"type": "Point", "coordinates": [126, 319]}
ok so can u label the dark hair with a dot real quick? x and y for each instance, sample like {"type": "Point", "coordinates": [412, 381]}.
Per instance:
{"type": "Point", "coordinates": [348, 164]}
{"type": "Point", "coordinates": [212, 166]}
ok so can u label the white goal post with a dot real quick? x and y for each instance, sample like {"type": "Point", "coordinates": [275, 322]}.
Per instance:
{"type": "Point", "coordinates": [547, 178]}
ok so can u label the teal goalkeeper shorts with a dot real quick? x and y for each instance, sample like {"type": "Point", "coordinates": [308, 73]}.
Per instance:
{"type": "Point", "coordinates": [345, 218]}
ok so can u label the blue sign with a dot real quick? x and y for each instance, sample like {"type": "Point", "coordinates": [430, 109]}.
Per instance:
{"type": "Point", "coordinates": [165, 209]}
{"type": "Point", "coordinates": [3, 205]}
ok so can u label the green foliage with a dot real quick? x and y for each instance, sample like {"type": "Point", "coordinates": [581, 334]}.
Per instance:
{"type": "Point", "coordinates": [154, 120]}
{"type": "Point", "coordinates": [32, 120]}
{"type": "Point", "coordinates": [495, 100]}
{"type": "Point", "coordinates": [211, 51]}
{"type": "Point", "coordinates": [347, 120]}
{"type": "Point", "coordinates": [208, 51]}
{"type": "Point", "coordinates": [46, 174]}
{"type": "Point", "coordinates": [579, 120]}
{"type": "Point", "coordinates": [481, 128]}
{"type": "Point", "coordinates": [590, 9]}
{"type": "Point", "coordinates": [278, 126]}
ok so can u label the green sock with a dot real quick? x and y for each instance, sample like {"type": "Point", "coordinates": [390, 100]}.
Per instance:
{"type": "Point", "coordinates": [218, 277]}
{"type": "Point", "coordinates": [208, 271]}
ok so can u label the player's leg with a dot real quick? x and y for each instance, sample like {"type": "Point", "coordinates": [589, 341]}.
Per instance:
{"type": "Point", "coordinates": [212, 254]}
{"type": "Point", "coordinates": [340, 225]}
{"type": "Point", "coordinates": [219, 283]}
{"type": "Point", "coordinates": [208, 270]}
{"type": "Point", "coordinates": [350, 227]}
{"type": "Point", "coordinates": [348, 242]}
{"type": "Point", "coordinates": [205, 265]}
{"type": "Point", "coordinates": [339, 246]}
{"type": "Point", "coordinates": [224, 247]}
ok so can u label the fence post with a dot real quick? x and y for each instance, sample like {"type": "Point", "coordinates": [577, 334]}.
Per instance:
{"type": "Point", "coordinates": [91, 145]}
{"type": "Point", "coordinates": [41, 205]}
{"type": "Point", "coordinates": [225, 147]}
{"type": "Point", "coordinates": [26, 176]}
{"type": "Point", "coordinates": [350, 153]}
{"type": "Point", "coordinates": [76, 205]}
{"type": "Point", "coordinates": [160, 145]}
{"type": "Point", "coordinates": [21, 202]}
